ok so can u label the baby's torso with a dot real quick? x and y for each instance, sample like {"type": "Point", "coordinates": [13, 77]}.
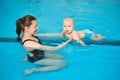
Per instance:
{"type": "Point", "coordinates": [76, 35]}
{"type": "Point", "coordinates": [81, 34]}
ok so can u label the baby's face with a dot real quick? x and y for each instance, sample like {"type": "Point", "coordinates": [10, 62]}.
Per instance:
{"type": "Point", "coordinates": [68, 26]}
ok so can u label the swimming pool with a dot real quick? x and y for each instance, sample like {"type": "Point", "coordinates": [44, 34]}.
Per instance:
{"type": "Point", "coordinates": [95, 62]}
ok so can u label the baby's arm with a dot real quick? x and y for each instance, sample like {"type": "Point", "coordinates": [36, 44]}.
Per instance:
{"type": "Point", "coordinates": [81, 42]}
{"type": "Point", "coordinates": [62, 33]}
{"type": "Point", "coordinates": [80, 35]}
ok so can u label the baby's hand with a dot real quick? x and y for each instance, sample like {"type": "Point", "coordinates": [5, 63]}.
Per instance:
{"type": "Point", "coordinates": [63, 33]}
{"type": "Point", "coordinates": [70, 37]}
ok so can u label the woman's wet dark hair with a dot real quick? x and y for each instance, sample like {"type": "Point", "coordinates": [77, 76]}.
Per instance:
{"type": "Point", "coordinates": [22, 22]}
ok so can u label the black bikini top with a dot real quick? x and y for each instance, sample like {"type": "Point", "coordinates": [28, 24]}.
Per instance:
{"type": "Point", "coordinates": [41, 51]}
{"type": "Point", "coordinates": [32, 40]}
{"type": "Point", "coordinates": [37, 54]}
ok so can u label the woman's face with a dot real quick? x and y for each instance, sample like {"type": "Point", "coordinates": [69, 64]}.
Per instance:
{"type": "Point", "coordinates": [33, 27]}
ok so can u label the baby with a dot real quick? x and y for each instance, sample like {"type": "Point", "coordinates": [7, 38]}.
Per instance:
{"type": "Point", "coordinates": [68, 30]}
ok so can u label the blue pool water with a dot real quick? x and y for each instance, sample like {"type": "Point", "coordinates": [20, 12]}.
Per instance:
{"type": "Point", "coordinates": [98, 61]}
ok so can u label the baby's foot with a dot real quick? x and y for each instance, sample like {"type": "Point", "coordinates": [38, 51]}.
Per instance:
{"type": "Point", "coordinates": [98, 37]}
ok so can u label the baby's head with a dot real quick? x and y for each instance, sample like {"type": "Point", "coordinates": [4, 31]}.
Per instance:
{"type": "Point", "coordinates": [68, 25]}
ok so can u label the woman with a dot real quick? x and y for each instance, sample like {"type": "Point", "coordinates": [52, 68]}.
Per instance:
{"type": "Point", "coordinates": [37, 53]}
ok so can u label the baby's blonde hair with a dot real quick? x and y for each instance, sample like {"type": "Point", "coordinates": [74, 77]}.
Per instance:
{"type": "Point", "coordinates": [68, 19]}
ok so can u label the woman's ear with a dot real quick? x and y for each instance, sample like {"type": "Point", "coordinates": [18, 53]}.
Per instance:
{"type": "Point", "coordinates": [26, 28]}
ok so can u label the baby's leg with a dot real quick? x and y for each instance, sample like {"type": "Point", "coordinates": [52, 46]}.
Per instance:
{"type": "Point", "coordinates": [97, 37]}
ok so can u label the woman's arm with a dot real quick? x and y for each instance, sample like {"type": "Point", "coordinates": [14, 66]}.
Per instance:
{"type": "Point", "coordinates": [33, 45]}
{"type": "Point", "coordinates": [49, 34]}
{"type": "Point", "coordinates": [44, 47]}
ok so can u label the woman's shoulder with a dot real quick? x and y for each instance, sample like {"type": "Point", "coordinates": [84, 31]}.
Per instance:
{"type": "Point", "coordinates": [30, 43]}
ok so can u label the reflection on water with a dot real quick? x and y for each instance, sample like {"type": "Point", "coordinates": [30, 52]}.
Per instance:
{"type": "Point", "coordinates": [56, 41]}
